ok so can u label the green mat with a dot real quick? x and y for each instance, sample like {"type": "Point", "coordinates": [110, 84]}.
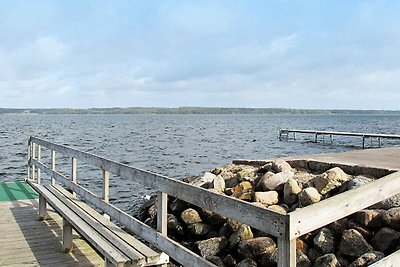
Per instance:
{"type": "Point", "coordinates": [16, 191]}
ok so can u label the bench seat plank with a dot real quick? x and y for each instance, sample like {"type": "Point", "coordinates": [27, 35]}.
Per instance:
{"type": "Point", "coordinates": [150, 255]}
{"type": "Point", "coordinates": [110, 252]}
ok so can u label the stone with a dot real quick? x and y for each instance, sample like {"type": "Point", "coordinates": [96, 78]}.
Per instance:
{"type": "Point", "coordinates": [212, 217]}
{"type": "Point", "coordinates": [255, 247]}
{"type": "Point", "coordinates": [304, 179]}
{"type": "Point", "coordinates": [369, 218]}
{"type": "Point", "coordinates": [327, 260]}
{"type": "Point", "coordinates": [302, 260]}
{"type": "Point", "coordinates": [325, 241]}
{"type": "Point", "coordinates": [242, 233]}
{"type": "Point", "coordinates": [267, 198]}
{"type": "Point", "coordinates": [313, 254]}
{"type": "Point", "coordinates": [219, 184]}
{"type": "Point", "coordinates": [243, 190]}
{"type": "Point", "coordinates": [247, 174]}
{"type": "Point", "coordinates": [177, 205]}
{"type": "Point", "coordinates": [386, 240]}
{"type": "Point", "coordinates": [309, 196]}
{"type": "Point", "coordinates": [199, 229]}
{"type": "Point", "coordinates": [269, 260]}
{"type": "Point", "coordinates": [216, 261]}
{"type": "Point", "coordinates": [174, 226]}
{"type": "Point", "coordinates": [392, 218]}
{"type": "Point", "coordinates": [339, 226]}
{"type": "Point", "coordinates": [274, 181]}
{"type": "Point", "coordinates": [361, 229]}
{"type": "Point", "coordinates": [330, 180]}
{"type": "Point", "coordinates": [290, 191]}
{"type": "Point", "coordinates": [280, 165]}
{"type": "Point", "coordinates": [278, 208]}
{"type": "Point", "coordinates": [230, 261]}
{"type": "Point", "coordinates": [247, 263]}
{"type": "Point", "coordinates": [358, 181]}
{"type": "Point", "coordinates": [264, 178]}
{"type": "Point", "coordinates": [318, 166]}
{"type": "Point", "coordinates": [353, 244]}
{"type": "Point", "coordinates": [389, 203]}
{"type": "Point", "coordinates": [367, 259]}
{"type": "Point", "coordinates": [267, 167]}
{"type": "Point", "coordinates": [190, 216]}
{"type": "Point", "coordinates": [211, 247]}
{"type": "Point", "coordinates": [204, 180]}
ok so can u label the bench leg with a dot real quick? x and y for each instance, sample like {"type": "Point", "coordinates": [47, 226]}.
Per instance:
{"type": "Point", "coordinates": [67, 236]}
{"type": "Point", "coordinates": [42, 208]}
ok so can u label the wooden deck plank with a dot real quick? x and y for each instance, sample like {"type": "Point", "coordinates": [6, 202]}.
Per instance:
{"type": "Point", "coordinates": [28, 242]}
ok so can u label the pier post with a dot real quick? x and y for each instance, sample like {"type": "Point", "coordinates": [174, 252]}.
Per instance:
{"type": "Point", "coordinates": [73, 173]}
{"type": "Point", "coordinates": [39, 158]}
{"type": "Point", "coordinates": [316, 137]}
{"type": "Point", "coordinates": [106, 189]}
{"type": "Point", "coordinates": [53, 166]}
{"type": "Point", "coordinates": [29, 159]}
{"type": "Point", "coordinates": [363, 142]}
{"type": "Point", "coordinates": [33, 155]}
{"type": "Point", "coordinates": [67, 244]}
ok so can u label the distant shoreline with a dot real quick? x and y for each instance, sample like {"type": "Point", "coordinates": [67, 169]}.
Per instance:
{"type": "Point", "coordinates": [197, 110]}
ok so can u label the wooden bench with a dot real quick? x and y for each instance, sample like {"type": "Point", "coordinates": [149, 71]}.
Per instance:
{"type": "Point", "coordinates": [118, 247]}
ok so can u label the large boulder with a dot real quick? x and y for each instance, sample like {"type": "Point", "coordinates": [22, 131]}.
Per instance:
{"type": "Point", "coordinates": [367, 259]}
{"type": "Point", "coordinates": [386, 240]}
{"type": "Point", "coordinates": [280, 165]}
{"type": "Point", "coordinates": [353, 244]}
{"type": "Point", "coordinates": [255, 247]}
{"type": "Point", "coordinates": [219, 183]}
{"type": "Point", "coordinates": [309, 196]}
{"type": "Point", "coordinates": [242, 233]}
{"type": "Point", "coordinates": [190, 216]}
{"type": "Point", "coordinates": [392, 218]}
{"type": "Point", "coordinates": [267, 198]}
{"type": "Point", "coordinates": [330, 180]}
{"type": "Point", "coordinates": [325, 241]}
{"type": "Point", "coordinates": [275, 181]}
{"type": "Point", "coordinates": [211, 247]}
{"type": "Point", "coordinates": [290, 191]}
{"type": "Point", "coordinates": [327, 260]}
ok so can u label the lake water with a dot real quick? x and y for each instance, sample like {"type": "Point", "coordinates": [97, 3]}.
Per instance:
{"type": "Point", "coordinates": [173, 145]}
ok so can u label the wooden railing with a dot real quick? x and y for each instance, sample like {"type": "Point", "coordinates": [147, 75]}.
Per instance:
{"type": "Point", "coordinates": [286, 228]}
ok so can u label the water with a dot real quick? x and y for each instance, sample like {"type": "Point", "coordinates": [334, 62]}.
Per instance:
{"type": "Point", "coordinates": [173, 145]}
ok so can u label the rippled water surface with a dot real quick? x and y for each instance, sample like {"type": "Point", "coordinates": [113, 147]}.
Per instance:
{"type": "Point", "coordinates": [173, 145]}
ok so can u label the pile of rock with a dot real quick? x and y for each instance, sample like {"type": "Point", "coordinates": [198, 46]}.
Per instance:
{"type": "Point", "coordinates": [358, 240]}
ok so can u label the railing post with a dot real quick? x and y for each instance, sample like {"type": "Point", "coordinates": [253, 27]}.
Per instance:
{"type": "Point", "coordinates": [53, 165]}
{"type": "Point", "coordinates": [162, 215]}
{"type": "Point", "coordinates": [286, 252]}
{"type": "Point", "coordinates": [33, 152]}
{"type": "Point", "coordinates": [106, 189]}
{"type": "Point", "coordinates": [73, 173]}
{"type": "Point", "coordinates": [29, 159]}
{"type": "Point", "coordinates": [39, 158]}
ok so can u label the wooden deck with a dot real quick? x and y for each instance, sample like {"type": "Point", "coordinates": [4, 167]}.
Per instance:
{"type": "Point", "coordinates": [25, 241]}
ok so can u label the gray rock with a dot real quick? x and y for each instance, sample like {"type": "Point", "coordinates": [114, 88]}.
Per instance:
{"type": "Point", "coordinates": [255, 247]}
{"type": "Point", "coordinates": [369, 218]}
{"type": "Point", "coordinates": [267, 198]}
{"type": "Point", "coordinates": [216, 260]}
{"type": "Point", "coordinates": [325, 241]}
{"type": "Point", "coordinates": [309, 196]}
{"type": "Point", "coordinates": [211, 247]}
{"type": "Point", "coordinates": [280, 165]}
{"type": "Point", "coordinates": [302, 260]}
{"type": "Point", "coordinates": [190, 216]}
{"type": "Point", "coordinates": [358, 181]}
{"type": "Point", "coordinates": [274, 181]}
{"type": "Point", "coordinates": [242, 233]}
{"type": "Point", "coordinates": [392, 218]}
{"type": "Point", "coordinates": [327, 260]}
{"type": "Point", "coordinates": [353, 244]}
{"type": "Point", "coordinates": [290, 191]}
{"type": "Point", "coordinates": [219, 184]}
{"type": "Point", "coordinates": [260, 185]}
{"type": "Point", "coordinates": [199, 229]}
{"type": "Point", "coordinates": [230, 261]}
{"type": "Point", "coordinates": [204, 180]}
{"type": "Point", "coordinates": [330, 180]}
{"type": "Point", "coordinates": [367, 259]}
{"type": "Point", "coordinates": [389, 203]}
{"type": "Point", "coordinates": [174, 226]}
{"type": "Point", "coordinates": [269, 260]}
{"type": "Point", "coordinates": [247, 263]}
{"type": "Point", "coordinates": [313, 254]}
{"type": "Point", "coordinates": [177, 205]}
{"type": "Point", "coordinates": [386, 240]}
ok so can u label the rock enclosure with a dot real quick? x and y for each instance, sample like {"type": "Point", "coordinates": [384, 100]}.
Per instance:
{"type": "Point", "coordinates": [357, 240]}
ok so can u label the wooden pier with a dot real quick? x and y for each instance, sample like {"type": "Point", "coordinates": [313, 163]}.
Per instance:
{"type": "Point", "coordinates": [285, 134]}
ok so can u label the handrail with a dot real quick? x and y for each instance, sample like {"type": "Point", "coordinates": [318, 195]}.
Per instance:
{"type": "Point", "coordinates": [262, 219]}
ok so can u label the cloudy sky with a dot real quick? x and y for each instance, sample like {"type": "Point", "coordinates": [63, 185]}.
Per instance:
{"type": "Point", "coordinates": [292, 54]}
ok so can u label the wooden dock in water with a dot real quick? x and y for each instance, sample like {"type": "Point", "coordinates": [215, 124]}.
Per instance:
{"type": "Point", "coordinates": [285, 134]}
{"type": "Point", "coordinates": [26, 241]}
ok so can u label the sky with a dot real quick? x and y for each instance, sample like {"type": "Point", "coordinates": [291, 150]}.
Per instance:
{"type": "Point", "coordinates": [267, 54]}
